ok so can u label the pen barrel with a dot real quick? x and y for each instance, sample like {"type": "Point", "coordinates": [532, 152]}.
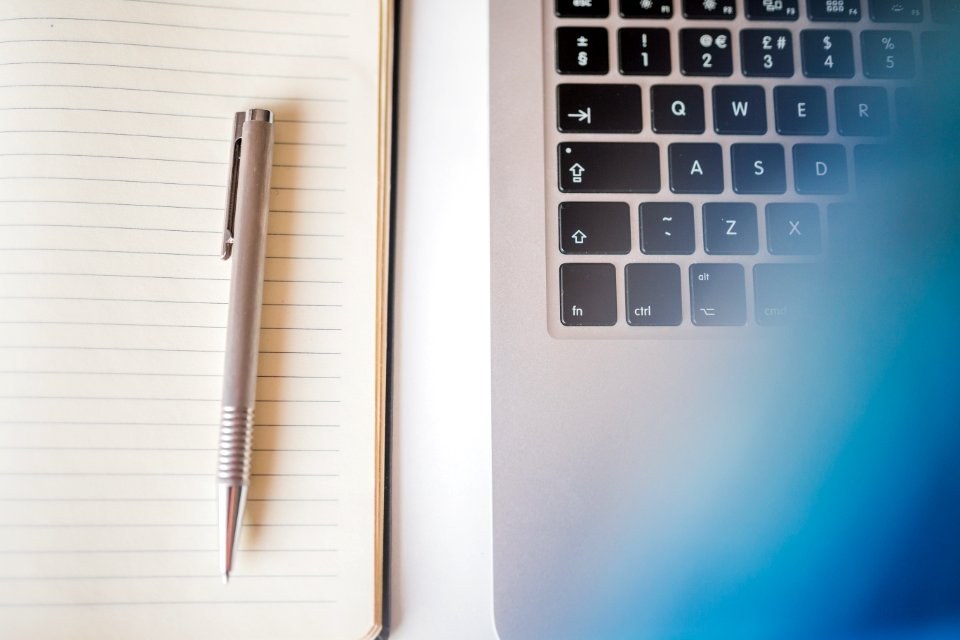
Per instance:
{"type": "Point", "coordinates": [246, 295]}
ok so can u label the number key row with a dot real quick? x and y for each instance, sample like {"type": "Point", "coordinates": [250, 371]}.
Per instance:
{"type": "Point", "coordinates": [825, 53]}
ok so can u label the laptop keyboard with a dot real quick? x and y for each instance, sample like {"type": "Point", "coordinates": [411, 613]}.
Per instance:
{"type": "Point", "coordinates": [698, 150]}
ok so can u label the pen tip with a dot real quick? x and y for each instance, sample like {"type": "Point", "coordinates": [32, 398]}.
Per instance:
{"type": "Point", "coordinates": [226, 577]}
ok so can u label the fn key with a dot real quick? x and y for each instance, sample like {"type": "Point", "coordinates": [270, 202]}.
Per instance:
{"type": "Point", "coordinates": [588, 294]}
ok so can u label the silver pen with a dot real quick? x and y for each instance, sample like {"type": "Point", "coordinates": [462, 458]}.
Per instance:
{"type": "Point", "coordinates": [244, 240]}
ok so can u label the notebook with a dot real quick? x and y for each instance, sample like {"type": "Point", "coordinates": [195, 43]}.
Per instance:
{"type": "Point", "coordinates": [116, 122]}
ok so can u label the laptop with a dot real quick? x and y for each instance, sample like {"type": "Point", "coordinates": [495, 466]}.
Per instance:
{"type": "Point", "coordinates": [675, 453]}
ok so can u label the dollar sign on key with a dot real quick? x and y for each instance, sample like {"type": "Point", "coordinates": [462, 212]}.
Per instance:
{"type": "Point", "coordinates": [826, 43]}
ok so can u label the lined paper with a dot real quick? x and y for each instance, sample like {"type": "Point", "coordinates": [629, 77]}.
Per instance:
{"type": "Point", "coordinates": [115, 118]}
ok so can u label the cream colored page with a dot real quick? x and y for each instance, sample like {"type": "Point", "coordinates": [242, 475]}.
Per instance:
{"type": "Point", "coordinates": [114, 121]}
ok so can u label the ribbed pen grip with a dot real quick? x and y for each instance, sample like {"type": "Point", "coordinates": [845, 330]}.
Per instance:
{"type": "Point", "coordinates": [236, 444]}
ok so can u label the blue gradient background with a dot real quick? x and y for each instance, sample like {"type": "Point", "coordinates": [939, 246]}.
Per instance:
{"type": "Point", "coordinates": [843, 520]}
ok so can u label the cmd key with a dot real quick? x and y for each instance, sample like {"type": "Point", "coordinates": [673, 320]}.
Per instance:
{"type": "Point", "coordinates": [609, 167]}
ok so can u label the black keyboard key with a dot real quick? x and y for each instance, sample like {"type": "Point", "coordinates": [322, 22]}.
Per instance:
{"type": "Point", "coordinates": [844, 226]}
{"type": "Point", "coordinates": [709, 9]}
{"type": "Point", "coordinates": [873, 164]}
{"type": "Point", "coordinates": [826, 53]}
{"type": "Point", "coordinates": [772, 9]}
{"type": "Point", "coordinates": [582, 8]}
{"type": "Point", "coordinates": [834, 10]}
{"type": "Point", "coordinates": [718, 295]}
{"type": "Point", "coordinates": [588, 295]}
{"type": "Point", "coordinates": [739, 110]}
{"type": "Point", "coordinates": [730, 228]}
{"type": "Point", "coordinates": [594, 227]}
{"type": "Point", "coordinates": [784, 293]}
{"type": "Point", "coordinates": [706, 52]}
{"type": "Point", "coordinates": [766, 53]}
{"type": "Point", "coordinates": [945, 11]}
{"type": "Point", "coordinates": [820, 168]}
{"type": "Point", "coordinates": [887, 54]}
{"type": "Point", "coordinates": [611, 167]}
{"type": "Point", "coordinates": [653, 295]}
{"type": "Point", "coordinates": [661, 9]}
{"type": "Point", "coordinates": [862, 111]}
{"type": "Point", "coordinates": [666, 228]}
{"type": "Point", "coordinates": [896, 10]}
{"type": "Point", "coordinates": [582, 50]}
{"type": "Point", "coordinates": [793, 229]}
{"type": "Point", "coordinates": [758, 168]}
{"type": "Point", "coordinates": [644, 52]}
{"type": "Point", "coordinates": [696, 167]}
{"type": "Point", "coordinates": [800, 111]}
{"type": "Point", "coordinates": [677, 108]}
{"type": "Point", "coordinates": [939, 51]}
{"type": "Point", "coordinates": [599, 108]}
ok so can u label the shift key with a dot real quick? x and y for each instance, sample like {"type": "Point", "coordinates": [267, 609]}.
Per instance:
{"type": "Point", "coordinates": [609, 167]}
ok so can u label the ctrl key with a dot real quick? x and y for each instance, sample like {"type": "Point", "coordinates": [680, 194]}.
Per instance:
{"type": "Point", "coordinates": [653, 295]}
{"type": "Point", "coordinates": [588, 295]}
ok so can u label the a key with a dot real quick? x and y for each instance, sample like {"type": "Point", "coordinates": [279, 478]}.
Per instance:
{"type": "Point", "coordinates": [609, 167]}
{"type": "Point", "coordinates": [730, 228]}
{"type": "Point", "coordinates": [834, 10]}
{"type": "Point", "coordinates": [582, 50]}
{"type": "Point", "coordinates": [717, 295]}
{"type": "Point", "coordinates": [771, 9]}
{"type": "Point", "coordinates": [826, 53]}
{"type": "Point", "coordinates": [594, 227]}
{"type": "Point", "coordinates": [820, 168]}
{"type": "Point", "coordinates": [696, 167]}
{"type": "Point", "coordinates": [709, 9]}
{"type": "Point", "coordinates": [766, 53]}
{"type": "Point", "coordinates": [599, 108]}
{"type": "Point", "coordinates": [582, 8]}
{"type": "Point", "coordinates": [793, 229]}
{"type": "Point", "coordinates": [887, 54]}
{"type": "Point", "coordinates": [800, 111]}
{"type": "Point", "coordinates": [945, 11]}
{"type": "Point", "coordinates": [873, 163]}
{"type": "Point", "coordinates": [653, 295]}
{"type": "Point", "coordinates": [706, 52]}
{"type": "Point", "coordinates": [862, 111]}
{"type": "Point", "coordinates": [655, 9]}
{"type": "Point", "coordinates": [896, 10]}
{"type": "Point", "coordinates": [666, 228]}
{"type": "Point", "coordinates": [910, 103]}
{"type": "Point", "coordinates": [677, 108]}
{"type": "Point", "coordinates": [588, 294]}
{"type": "Point", "coordinates": [758, 168]}
{"type": "Point", "coordinates": [939, 51]}
{"type": "Point", "coordinates": [644, 52]}
{"type": "Point", "coordinates": [739, 110]}
{"type": "Point", "coordinates": [784, 293]}
{"type": "Point", "coordinates": [844, 225]}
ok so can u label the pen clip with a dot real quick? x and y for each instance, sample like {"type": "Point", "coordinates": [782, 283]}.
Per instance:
{"type": "Point", "coordinates": [232, 182]}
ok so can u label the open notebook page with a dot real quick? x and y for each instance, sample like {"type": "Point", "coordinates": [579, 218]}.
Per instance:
{"type": "Point", "coordinates": [115, 119]}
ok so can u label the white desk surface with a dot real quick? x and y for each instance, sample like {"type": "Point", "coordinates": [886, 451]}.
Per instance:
{"type": "Point", "coordinates": [441, 546]}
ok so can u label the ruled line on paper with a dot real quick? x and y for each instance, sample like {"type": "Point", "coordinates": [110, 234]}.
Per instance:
{"type": "Point", "coordinates": [169, 92]}
{"type": "Point", "coordinates": [244, 74]}
{"type": "Point", "coordinates": [143, 23]}
{"type": "Point", "coordinates": [181, 48]}
{"type": "Point", "coordinates": [326, 14]}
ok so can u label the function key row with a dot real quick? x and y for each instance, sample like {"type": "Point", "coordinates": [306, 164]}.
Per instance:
{"type": "Point", "coordinates": [942, 11]}
{"type": "Point", "coordinates": [698, 167]}
{"type": "Point", "coordinates": [668, 228]}
{"type": "Point", "coordinates": [588, 294]}
{"type": "Point", "coordinates": [764, 53]}
{"type": "Point", "coordinates": [737, 109]}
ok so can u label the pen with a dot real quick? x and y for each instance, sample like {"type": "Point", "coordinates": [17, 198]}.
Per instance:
{"type": "Point", "coordinates": [245, 241]}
